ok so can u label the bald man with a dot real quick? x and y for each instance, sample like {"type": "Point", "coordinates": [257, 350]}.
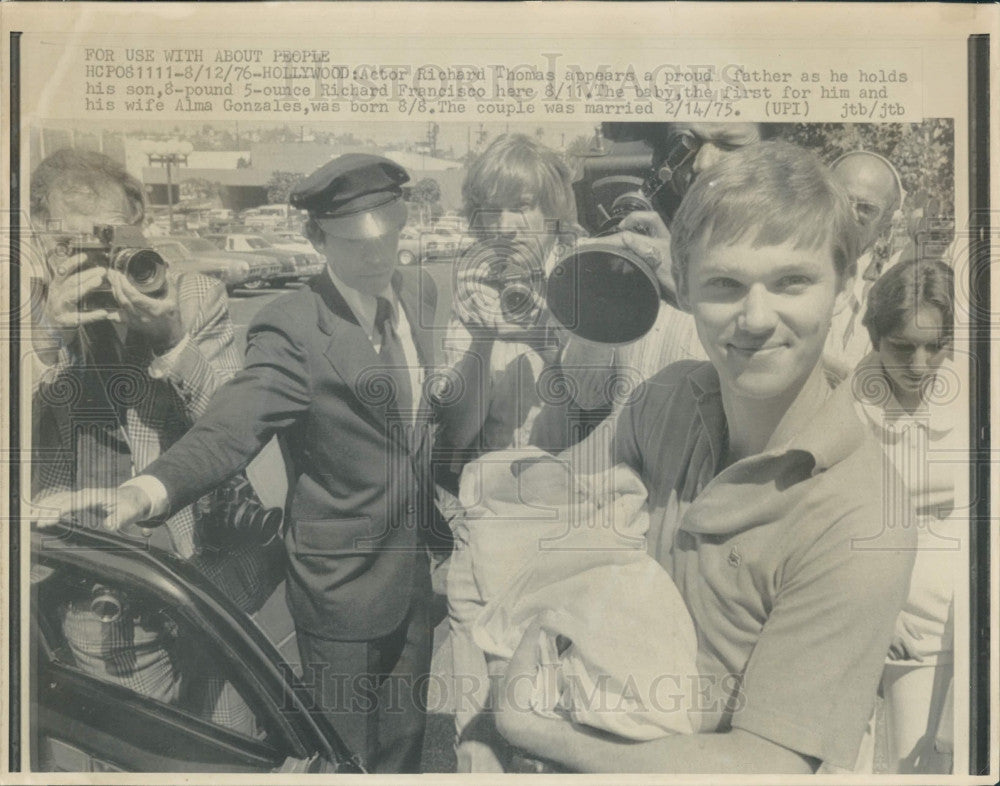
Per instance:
{"type": "Point", "coordinates": [872, 183]}
{"type": "Point", "coordinates": [876, 193]}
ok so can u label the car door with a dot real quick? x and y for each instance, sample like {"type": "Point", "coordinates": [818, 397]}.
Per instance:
{"type": "Point", "coordinates": [230, 703]}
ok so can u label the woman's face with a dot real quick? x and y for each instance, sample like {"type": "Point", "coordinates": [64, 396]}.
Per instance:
{"type": "Point", "coordinates": [912, 355]}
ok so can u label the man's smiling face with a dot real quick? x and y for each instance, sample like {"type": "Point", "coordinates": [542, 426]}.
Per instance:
{"type": "Point", "coordinates": [763, 313]}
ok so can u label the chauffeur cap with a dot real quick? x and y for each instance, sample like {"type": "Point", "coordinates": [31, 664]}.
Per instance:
{"type": "Point", "coordinates": [354, 196]}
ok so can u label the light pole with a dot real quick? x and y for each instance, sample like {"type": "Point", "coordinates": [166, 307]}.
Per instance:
{"type": "Point", "coordinates": [168, 153]}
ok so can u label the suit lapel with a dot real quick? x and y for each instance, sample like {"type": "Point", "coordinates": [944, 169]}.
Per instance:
{"type": "Point", "coordinates": [409, 292]}
{"type": "Point", "coordinates": [350, 351]}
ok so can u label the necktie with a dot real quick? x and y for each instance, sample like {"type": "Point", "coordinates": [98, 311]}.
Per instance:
{"type": "Point", "coordinates": [391, 354]}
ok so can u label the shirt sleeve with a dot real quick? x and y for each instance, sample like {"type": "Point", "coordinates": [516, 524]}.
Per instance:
{"type": "Point", "coordinates": [811, 679]}
{"type": "Point", "coordinates": [154, 490]}
{"type": "Point", "coordinates": [267, 396]}
{"type": "Point", "coordinates": [207, 356]}
{"type": "Point", "coordinates": [625, 448]}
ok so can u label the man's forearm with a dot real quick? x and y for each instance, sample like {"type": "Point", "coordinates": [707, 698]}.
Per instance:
{"type": "Point", "coordinates": [587, 750]}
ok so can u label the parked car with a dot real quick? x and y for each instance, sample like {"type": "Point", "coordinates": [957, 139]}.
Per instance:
{"type": "Point", "coordinates": [268, 216]}
{"type": "Point", "coordinates": [263, 269]}
{"type": "Point", "coordinates": [409, 246]}
{"type": "Point", "coordinates": [430, 244]}
{"type": "Point", "coordinates": [441, 244]}
{"type": "Point", "coordinates": [82, 722]}
{"type": "Point", "coordinates": [294, 266]}
{"type": "Point", "coordinates": [293, 241]}
{"type": "Point", "coordinates": [187, 253]}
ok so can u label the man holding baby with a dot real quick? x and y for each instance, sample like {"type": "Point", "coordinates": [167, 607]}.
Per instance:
{"type": "Point", "coordinates": [764, 492]}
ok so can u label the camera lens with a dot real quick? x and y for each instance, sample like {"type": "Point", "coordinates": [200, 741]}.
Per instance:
{"type": "Point", "coordinates": [144, 268]}
{"type": "Point", "coordinates": [105, 603]}
{"type": "Point", "coordinates": [271, 523]}
{"type": "Point", "coordinates": [515, 300]}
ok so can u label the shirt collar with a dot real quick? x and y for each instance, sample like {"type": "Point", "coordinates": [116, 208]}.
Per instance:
{"type": "Point", "coordinates": [832, 435]}
{"type": "Point", "coordinates": [875, 398]}
{"type": "Point", "coordinates": [364, 306]}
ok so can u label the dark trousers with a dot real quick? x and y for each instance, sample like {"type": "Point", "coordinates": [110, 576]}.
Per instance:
{"type": "Point", "coordinates": [375, 692]}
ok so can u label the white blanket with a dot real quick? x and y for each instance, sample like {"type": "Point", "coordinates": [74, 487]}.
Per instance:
{"type": "Point", "coordinates": [570, 551]}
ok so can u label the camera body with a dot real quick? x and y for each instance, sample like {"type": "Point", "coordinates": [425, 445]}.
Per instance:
{"type": "Point", "coordinates": [120, 247]}
{"type": "Point", "coordinates": [236, 516]}
{"type": "Point", "coordinates": [648, 167]}
{"type": "Point", "coordinates": [513, 264]}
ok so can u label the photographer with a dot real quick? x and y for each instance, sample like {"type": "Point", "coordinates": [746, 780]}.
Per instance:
{"type": "Point", "coordinates": [684, 150]}
{"type": "Point", "coordinates": [520, 204]}
{"type": "Point", "coordinates": [520, 387]}
{"type": "Point", "coordinates": [142, 367]}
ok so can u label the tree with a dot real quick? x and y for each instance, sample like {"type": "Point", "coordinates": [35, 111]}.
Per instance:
{"type": "Point", "coordinates": [199, 188]}
{"type": "Point", "coordinates": [280, 186]}
{"type": "Point", "coordinates": [426, 193]}
{"type": "Point", "coordinates": [923, 154]}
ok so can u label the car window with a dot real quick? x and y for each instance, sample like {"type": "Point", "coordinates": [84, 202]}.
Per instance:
{"type": "Point", "coordinates": [257, 242]}
{"type": "Point", "coordinates": [118, 633]}
{"type": "Point", "coordinates": [198, 244]}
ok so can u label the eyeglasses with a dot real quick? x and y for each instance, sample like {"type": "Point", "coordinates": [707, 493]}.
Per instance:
{"type": "Point", "coordinates": [867, 213]}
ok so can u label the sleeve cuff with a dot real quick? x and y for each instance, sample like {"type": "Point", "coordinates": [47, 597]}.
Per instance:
{"type": "Point", "coordinates": [155, 490]}
{"type": "Point", "coordinates": [165, 363]}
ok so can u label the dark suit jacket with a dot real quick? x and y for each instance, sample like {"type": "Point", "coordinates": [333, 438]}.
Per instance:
{"type": "Point", "coordinates": [361, 495]}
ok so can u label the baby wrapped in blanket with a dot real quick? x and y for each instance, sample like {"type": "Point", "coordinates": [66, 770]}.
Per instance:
{"type": "Point", "coordinates": [569, 550]}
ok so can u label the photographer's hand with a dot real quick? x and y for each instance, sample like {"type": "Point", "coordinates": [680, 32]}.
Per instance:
{"type": "Point", "coordinates": [158, 319]}
{"type": "Point", "coordinates": [478, 305]}
{"type": "Point", "coordinates": [67, 289]}
{"type": "Point", "coordinates": [645, 234]}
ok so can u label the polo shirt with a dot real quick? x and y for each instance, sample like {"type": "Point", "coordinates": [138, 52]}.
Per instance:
{"type": "Point", "coordinates": [791, 571]}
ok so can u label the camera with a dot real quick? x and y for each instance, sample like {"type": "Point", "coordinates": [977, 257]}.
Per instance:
{"type": "Point", "coordinates": [513, 271]}
{"type": "Point", "coordinates": [236, 516]}
{"type": "Point", "coordinates": [649, 167]}
{"type": "Point", "coordinates": [123, 248]}
{"type": "Point", "coordinates": [662, 187]}
{"type": "Point", "coordinates": [513, 264]}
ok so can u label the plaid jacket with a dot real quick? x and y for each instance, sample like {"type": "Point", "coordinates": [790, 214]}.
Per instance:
{"type": "Point", "coordinates": [159, 401]}
{"type": "Point", "coordinates": [154, 403]}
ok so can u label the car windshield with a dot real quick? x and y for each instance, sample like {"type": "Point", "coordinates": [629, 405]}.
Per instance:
{"type": "Point", "coordinates": [257, 242]}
